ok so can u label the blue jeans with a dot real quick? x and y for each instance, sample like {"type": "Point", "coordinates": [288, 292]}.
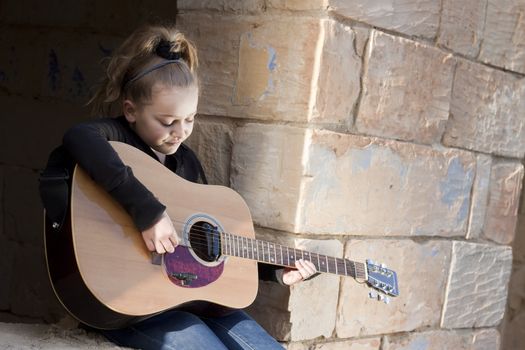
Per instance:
{"type": "Point", "coordinates": [182, 330]}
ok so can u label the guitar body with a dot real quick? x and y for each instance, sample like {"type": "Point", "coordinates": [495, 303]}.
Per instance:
{"type": "Point", "coordinates": [103, 274]}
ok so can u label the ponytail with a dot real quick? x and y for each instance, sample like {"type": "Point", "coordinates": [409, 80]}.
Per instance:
{"type": "Point", "coordinates": [150, 55]}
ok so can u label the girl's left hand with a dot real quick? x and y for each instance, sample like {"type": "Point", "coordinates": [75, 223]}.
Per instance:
{"type": "Point", "coordinates": [304, 270]}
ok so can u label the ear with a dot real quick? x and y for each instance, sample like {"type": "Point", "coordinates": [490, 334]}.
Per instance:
{"type": "Point", "coordinates": [129, 109]}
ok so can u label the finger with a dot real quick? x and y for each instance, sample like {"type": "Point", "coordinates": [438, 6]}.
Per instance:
{"type": "Point", "coordinates": [174, 240]}
{"type": "Point", "coordinates": [304, 269]}
{"type": "Point", "coordinates": [159, 247]}
{"type": "Point", "coordinates": [308, 265]}
{"type": "Point", "coordinates": [168, 246]}
{"type": "Point", "coordinates": [149, 245]}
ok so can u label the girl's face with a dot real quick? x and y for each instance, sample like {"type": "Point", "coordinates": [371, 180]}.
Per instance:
{"type": "Point", "coordinates": [165, 121]}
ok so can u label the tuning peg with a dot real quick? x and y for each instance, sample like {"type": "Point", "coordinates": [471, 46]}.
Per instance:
{"type": "Point", "coordinates": [383, 266]}
{"type": "Point", "coordinates": [372, 294]}
{"type": "Point", "coordinates": [370, 261]}
{"type": "Point", "coordinates": [386, 300]}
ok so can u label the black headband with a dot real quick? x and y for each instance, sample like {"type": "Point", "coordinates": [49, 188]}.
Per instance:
{"type": "Point", "coordinates": [163, 50]}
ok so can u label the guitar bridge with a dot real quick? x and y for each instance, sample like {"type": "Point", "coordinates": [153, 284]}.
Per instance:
{"type": "Point", "coordinates": [185, 277]}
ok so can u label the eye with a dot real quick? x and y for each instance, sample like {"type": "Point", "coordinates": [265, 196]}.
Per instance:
{"type": "Point", "coordinates": [190, 120]}
{"type": "Point", "coordinates": [167, 124]}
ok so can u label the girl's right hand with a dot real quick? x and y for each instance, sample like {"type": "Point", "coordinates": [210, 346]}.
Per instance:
{"type": "Point", "coordinates": [162, 236]}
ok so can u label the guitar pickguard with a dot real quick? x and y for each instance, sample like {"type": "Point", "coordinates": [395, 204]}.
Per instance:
{"type": "Point", "coordinates": [185, 271]}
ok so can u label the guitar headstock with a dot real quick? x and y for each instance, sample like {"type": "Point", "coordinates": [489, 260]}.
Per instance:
{"type": "Point", "coordinates": [382, 279]}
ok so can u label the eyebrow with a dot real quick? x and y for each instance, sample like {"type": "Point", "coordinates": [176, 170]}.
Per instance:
{"type": "Point", "coordinates": [172, 116]}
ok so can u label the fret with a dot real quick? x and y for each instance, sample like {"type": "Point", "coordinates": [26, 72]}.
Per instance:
{"type": "Point", "coordinates": [271, 247]}
{"type": "Point", "coordinates": [287, 256]}
{"type": "Point", "coordinates": [279, 255]}
{"type": "Point", "coordinates": [351, 266]}
{"type": "Point", "coordinates": [322, 265]}
{"type": "Point", "coordinates": [228, 244]}
{"type": "Point", "coordinates": [244, 253]}
{"type": "Point", "coordinates": [318, 263]}
{"type": "Point", "coordinates": [340, 266]}
{"type": "Point", "coordinates": [249, 248]}
{"type": "Point", "coordinates": [236, 245]}
{"type": "Point", "coordinates": [291, 257]}
{"type": "Point", "coordinates": [331, 264]}
{"type": "Point", "coordinates": [306, 256]}
{"type": "Point", "coordinates": [259, 250]}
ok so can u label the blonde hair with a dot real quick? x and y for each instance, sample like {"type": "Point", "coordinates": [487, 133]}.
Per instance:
{"type": "Point", "coordinates": [134, 56]}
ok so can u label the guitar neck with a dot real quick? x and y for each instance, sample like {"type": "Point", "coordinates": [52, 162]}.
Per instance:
{"type": "Point", "coordinates": [277, 254]}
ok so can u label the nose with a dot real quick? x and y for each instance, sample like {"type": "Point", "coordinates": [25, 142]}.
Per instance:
{"type": "Point", "coordinates": [177, 130]}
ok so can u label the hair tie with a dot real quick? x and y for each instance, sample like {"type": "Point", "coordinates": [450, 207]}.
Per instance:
{"type": "Point", "coordinates": [164, 48]}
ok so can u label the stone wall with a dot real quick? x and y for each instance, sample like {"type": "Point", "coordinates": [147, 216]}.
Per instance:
{"type": "Point", "coordinates": [389, 130]}
{"type": "Point", "coordinates": [386, 130]}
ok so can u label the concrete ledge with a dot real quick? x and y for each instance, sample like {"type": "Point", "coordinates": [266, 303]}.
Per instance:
{"type": "Point", "coordinates": [43, 336]}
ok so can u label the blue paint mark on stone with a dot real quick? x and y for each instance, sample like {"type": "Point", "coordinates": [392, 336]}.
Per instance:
{"type": "Point", "coordinates": [457, 186]}
{"type": "Point", "coordinates": [105, 52]}
{"type": "Point", "coordinates": [419, 344]}
{"type": "Point", "coordinates": [53, 71]}
{"type": "Point", "coordinates": [361, 160]}
{"type": "Point", "coordinates": [80, 82]}
{"type": "Point", "coordinates": [272, 61]}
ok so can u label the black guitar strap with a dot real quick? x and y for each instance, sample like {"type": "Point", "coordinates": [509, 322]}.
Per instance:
{"type": "Point", "coordinates": [54, 185]}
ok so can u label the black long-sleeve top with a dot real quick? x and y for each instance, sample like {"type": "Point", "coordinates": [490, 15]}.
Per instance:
{"type": "Point", "coordinates": [87, 143]}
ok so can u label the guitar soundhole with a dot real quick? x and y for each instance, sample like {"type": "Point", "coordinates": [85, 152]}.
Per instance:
{"type": "Point", "coordinates": [205, 241]}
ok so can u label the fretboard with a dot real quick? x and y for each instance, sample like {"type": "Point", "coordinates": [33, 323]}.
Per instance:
{"type": "Point", "coordinates": [276, 254]}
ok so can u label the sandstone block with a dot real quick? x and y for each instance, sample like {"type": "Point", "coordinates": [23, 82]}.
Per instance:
{"type": "Point", "coordinates": [406, 90]}
{"type": "Point", "coordinates": [263, 67]}
{"type": "Point", "coordinates": [486, 111]}
{"type": "Point", "coordinates": [255, 67]}
{"type": "Point", "coordinates": [504, 197]}
{"type": "Point", "coordinates": [370, 186]}
{"type": "Point", "coordinates": [462, 24]}
{"type": "Point", "coordinates": [236, 6]}
{"type": "Point", "coordinates": [487, 339]}
{"type": "Point", "coordinates": [354, 344]}
{"type": "Point", "coordinates": [476, 297]}
{"type": "Point", "coordinates": [297, 5]}
{"type": "Point", "coordinates": [319, 295]}
{"type": "Point", "coordinates": [480, 194]}
{"type": "Point", "coordinates": [212, 141]}
{"type": "Point", "coordinates": [504, 36]}
{"type": "Point", "coordinates": [422, 275]}
{"type": "Point", "coordinates": [411, 17]}
{"type": "Point", "coordinates": [266, 170]}
{"type": "Point", "coordinates": [338, 81]}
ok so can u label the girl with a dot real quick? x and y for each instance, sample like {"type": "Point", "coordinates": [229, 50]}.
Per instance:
{"type": "Point", "coordinates": [152, 78]}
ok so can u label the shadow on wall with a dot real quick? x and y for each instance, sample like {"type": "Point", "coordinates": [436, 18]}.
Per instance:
{"type": "Point", "coordinates": [51, 63]}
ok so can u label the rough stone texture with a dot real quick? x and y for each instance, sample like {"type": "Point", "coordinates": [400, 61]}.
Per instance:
{"type": "Point", "coordinates": [339, 75]}
{"type": "Point", "coordinates": [422, 272]}
{"type": "Point", "coordinates": [487, 339]}
{"type": "Point", "coordinates": [477, 285]}
{"type": "Point", "coordinates": [412, 17]}
{"type": "Point", "coordinates": [254, 67]}
{"type": "Point", "coordinates": [297, 5]}
{"type": "Point", "coordinates": [50, 337]}
{"type": "Point", "coordinates": [320, 294]}
{"type": "Point", "coordinates": [46, 130]}
{"type": "Point", "coordinates": [504, 36]}
{"type": "Point", "coordinates": [462, 24]}
{"type": "Point", "coordinates": [281, 310]}
{"type": "Point", "coordinates": [486, 111]}
{"type": "Point", "coordinates": [7, 260]}
{"type": "Point", "coordinates": [354, 344]}
{"type": "Point", "coordinates": [504, 197]}
{"type": "Point", "coordinates": [395, 102]}
{"type": "Point", "coordinates": [236, 6]}
{"type": "Point", "coordinates": [514, 324]}
{"type": "Point", "coordinates": [266, 171]}
{"type": "Point", "coordinates": [212, 141]}
{"type": "Point", "coordinates": [363, 186]}
{"type": "Point", "coordinates": [480, 195]}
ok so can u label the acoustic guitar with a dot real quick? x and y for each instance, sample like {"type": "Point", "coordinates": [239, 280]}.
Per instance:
{"type": "Point", "coordinates": [105, 277]}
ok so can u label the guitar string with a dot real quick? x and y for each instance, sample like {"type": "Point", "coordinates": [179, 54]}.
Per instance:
{"type": "Point", "coordinates": [203, 242]}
